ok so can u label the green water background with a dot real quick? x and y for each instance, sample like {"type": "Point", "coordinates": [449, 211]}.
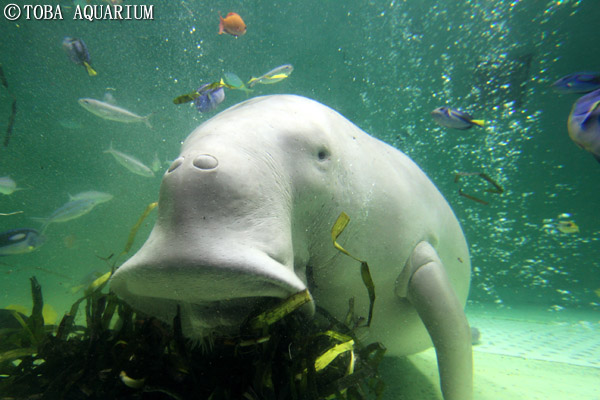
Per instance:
{"type": "Point", "coordinates": [383, 65]}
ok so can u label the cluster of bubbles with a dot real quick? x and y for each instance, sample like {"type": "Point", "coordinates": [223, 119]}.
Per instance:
{"type": "Point", "coordinates": [480, 56]}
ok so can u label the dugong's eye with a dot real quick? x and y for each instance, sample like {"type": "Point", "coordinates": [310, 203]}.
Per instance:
{"type": "Point", "coordinates": [323, 154]}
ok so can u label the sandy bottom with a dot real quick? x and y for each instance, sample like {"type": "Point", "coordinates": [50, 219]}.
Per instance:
{"type": "Point", "coordinates": [524, 354]}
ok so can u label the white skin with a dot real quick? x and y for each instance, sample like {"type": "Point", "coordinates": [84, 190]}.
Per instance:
{"type": "Point", "coordinates": [249, 206]}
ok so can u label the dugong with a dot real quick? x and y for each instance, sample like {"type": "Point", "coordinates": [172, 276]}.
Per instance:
{"type": "Point", "coordinates": [246, 211]}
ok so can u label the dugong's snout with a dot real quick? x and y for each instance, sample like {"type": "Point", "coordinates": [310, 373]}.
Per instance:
{"type": "Point", "coordinates": [220, 248]}
{"type": "Point", "coordinates": [214, 293]}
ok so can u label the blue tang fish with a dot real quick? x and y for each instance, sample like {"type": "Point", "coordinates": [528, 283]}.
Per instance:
{"type": "Point", "coordinates": [578, 82]}
{"type": "Point", "coordinates": [210, 97]}
{"type": "Point", "coordinates": [20, 241]}
{"type": "Point", "coordinates": [455, 119]}
{"type": "Point", "coordinates": [78, 53]}
{"type": "Point", "coordinates": [584, 123]}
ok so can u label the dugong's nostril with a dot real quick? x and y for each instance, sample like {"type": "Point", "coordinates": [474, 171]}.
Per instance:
{"type": "Point", "coordinates": [205, 161]}
{"type": "Point", "coordinates": [178, 161]}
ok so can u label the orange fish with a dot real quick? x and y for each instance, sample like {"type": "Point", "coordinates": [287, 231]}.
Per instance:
{"type": "Point", "coordinates": [232, 24]}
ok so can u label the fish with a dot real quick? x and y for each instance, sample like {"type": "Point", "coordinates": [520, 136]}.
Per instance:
{"type": "Point", "coordinates": [20, 241]}
{"type": "Point", "coordinates": [186, 98]}
{"type": "Point", "coordinates": [232, 24]}
{"type": "Point", "coordinates": [455, 119]}
{"type": "Point", "coordinates": [584, 123]}
{"type": "Point", "coordinates": [131, 163]}
{"type": "Point", "coordinates": [578, 82]}
{"type": "Point", "coordinates": [232, 81]}
{"type": "Point", "coordinates": [78, 53]}
{"type": "Point", "coordinates": [273, 76]}
{"type": "Point", "coordinates": [209, 98]}
{"type": "Point", "coordinates": [567, 227]}
{"type": "Point", "coordinates": [202, 90]}
{"type": "Point", "coordinates": [8, 186]}
{"type": "Point", "coordinates": [67, 212]}
{"type": "Point", "coordinates": [112, 112]}
{"type": "Point", "coordinates": [98, 197]}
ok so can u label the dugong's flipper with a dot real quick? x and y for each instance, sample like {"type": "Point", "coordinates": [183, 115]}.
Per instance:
{"type": "Point", "coordinates": [430, 292]}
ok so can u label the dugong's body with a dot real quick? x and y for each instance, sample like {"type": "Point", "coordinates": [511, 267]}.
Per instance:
{"type": "Point", "coordinates": [246, 212]}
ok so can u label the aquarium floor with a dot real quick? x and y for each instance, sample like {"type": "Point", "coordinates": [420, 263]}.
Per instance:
{"type": "Point", "coordinates": [526, 353]}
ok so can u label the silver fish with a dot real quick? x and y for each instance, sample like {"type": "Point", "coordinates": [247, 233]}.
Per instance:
{"type": "Point", "coordinates": [273, 76]}
{"type": "Point", "coordinates": [112, 112]}
{"type": "Point", "coordinates": [130, 162]}
{"type": "Point", "coordinates": [68, 211]}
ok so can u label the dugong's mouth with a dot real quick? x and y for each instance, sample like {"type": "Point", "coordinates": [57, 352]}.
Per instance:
{"type": "Point", "coordinates": [199, 315]}
{"type": "Point", "coordinates": [202, 319]}
{"type": "Point", "coordinates": [222, 317]}
{"type": "Point", "coordinates": [212, 296]}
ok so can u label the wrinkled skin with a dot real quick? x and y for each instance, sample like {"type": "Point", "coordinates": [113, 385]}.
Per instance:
{"type": "Point", "coordinates": [249, 205]}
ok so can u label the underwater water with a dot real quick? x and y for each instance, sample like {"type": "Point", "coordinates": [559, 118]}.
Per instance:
{"type": "Point", "coordinates": [383, 65]}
